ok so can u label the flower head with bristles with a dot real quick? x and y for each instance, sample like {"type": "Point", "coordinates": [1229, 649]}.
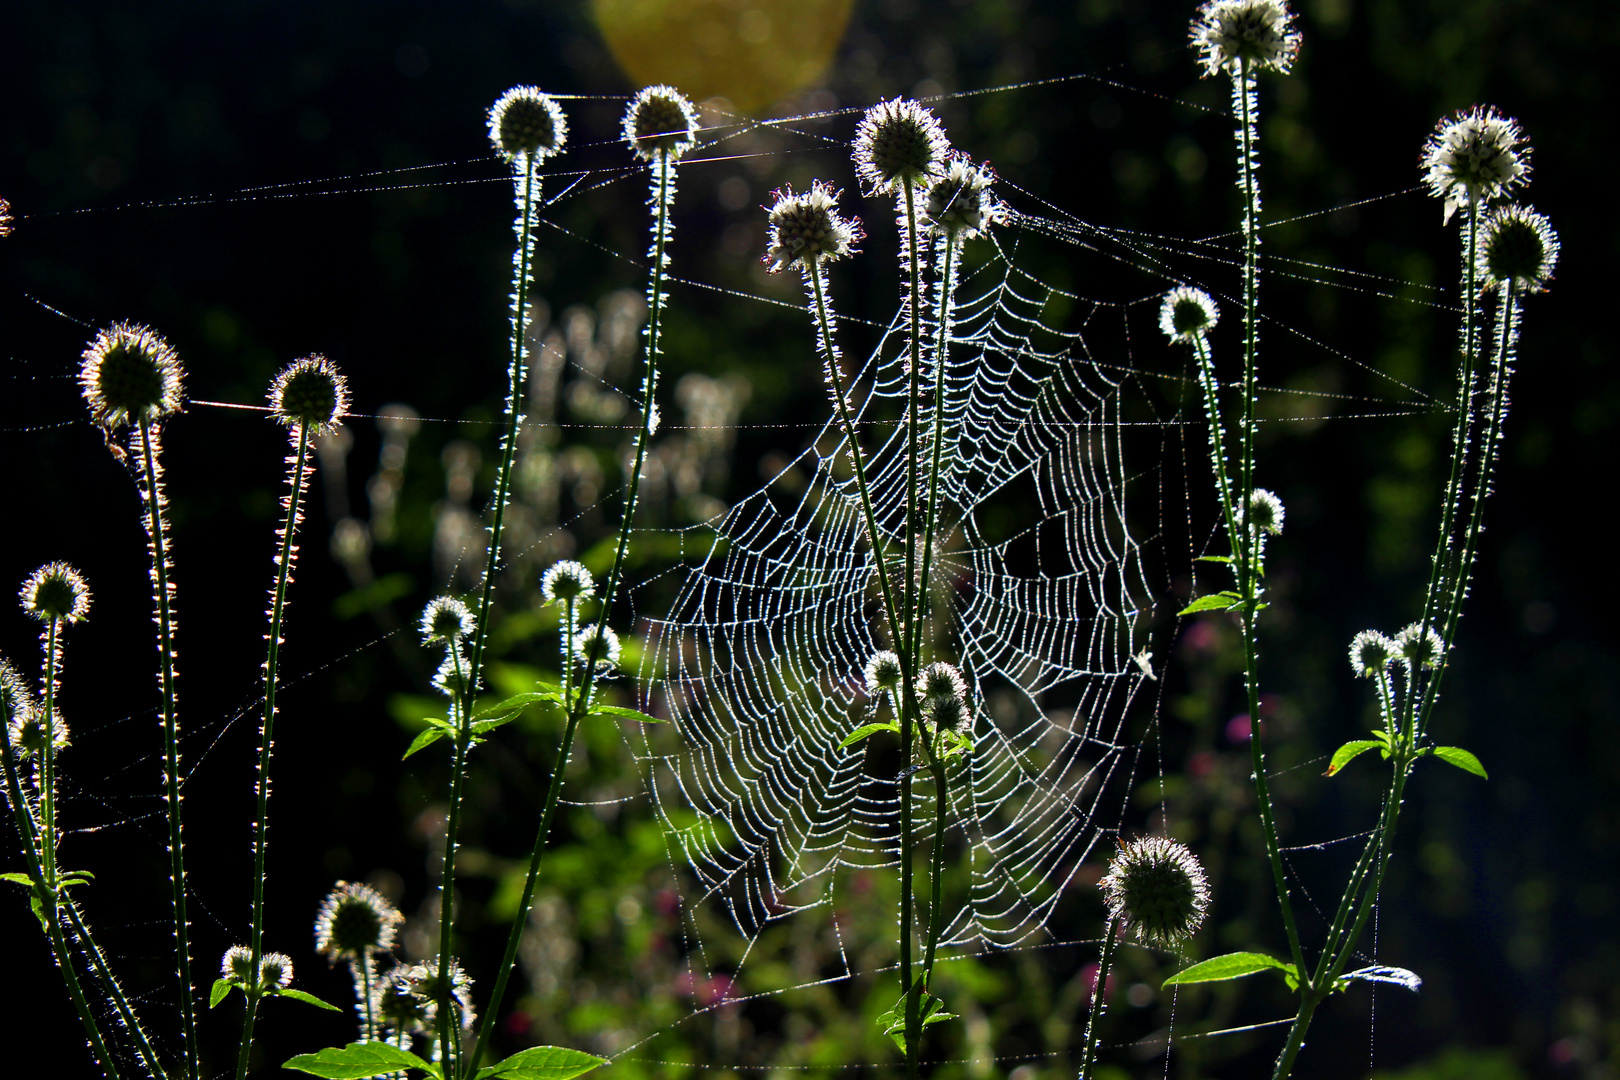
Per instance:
{"type": "Point", "coordinates": [453, 674]}
{"type": "Point", "coordinates": [311, 394]}
{"type": "Point", "coordinates": [448, 620]}
{"type": "Point", "coordinates": [660, 122]}
{"type": "Point", "coordinates": [1157, 887]}
{"type": "Point", "coordinates": [526, 122]}
{"type": "Point", "coordinates": [237, 965]}
{"type": "Point", "coordinates": [1518, 245]}
{"type": "Point", "coordinates": [940, 682]}
{"type": "Point", "coordinates": [1420, 647]}
{"type": "Point", "coordinates": [567, 580]}
{"type": "Point", "coordinates": [130, 375]}
{"type": "Point", "coordinates": [5, 218]}
{"type": "Point", "coordinates": [397, 1008]}
{"type": "Point", "coordinates": [605, 652]}
{"type": "Point", "coordinates": [807, 229]}
{"type": "Point", "coordinates": [355, 921]}
{"type": "Point", "coordinates": [56, 591]}
{"type": "Point", "coordinates": [1371, 652]}
{"type": "Point", "coordinates": [421, 981]}
{"type": "Point", "coordinates": [14, 694]}
{"type": "Point", "coordinates": [1476, 156]}
{"type": "Point", "coordinates": [899, 144]}
{"type": "Point", "coordinates": [29, 730]}
{"type": "Point", "coordinates": [882, 672]}
{"type": "Point", "coordinates": [1257, 33]}
{"type": "Point", "coordinates": [959, 204]}
{"type": "Point", "coordinates": [1263, 512]}
{"type": "Point", "coordinates": [275, 970]}
{"type": "Point", "coordinates": [1187, 314]}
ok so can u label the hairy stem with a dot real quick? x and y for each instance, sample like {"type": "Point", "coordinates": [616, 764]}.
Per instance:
{"type": "Point", "coordinates": [462, 706]}
{"type": "Point", "coordinates": [1099, 1000]}
{"type": "Point", "coordinates": [115, 993]}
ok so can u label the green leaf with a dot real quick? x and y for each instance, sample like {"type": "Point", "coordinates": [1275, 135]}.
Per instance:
{"type": "Point", "coordinates": [39, 912]}
{"type": "Point", "coordinates": [222, 987]}
{"type": "Point", "coordinates": [866, 731]}
{"type": "Point", "coordinates": [543, 1063]}
{"type": "Point", "coordinates": [1221, 601]}
{"type": "Point", "coordinates": [624, 714]}
{"type": "Point", "coordinates": [483, 727]}
{"type": "Point", "coordinates": [356, 1061]}
{"type": "Point", "coordinates": [1349, 752]}
{"type": "Point", "coordinates": [1214, 558]}
{"type": "Point", "coordinates": [425, 739]}
{"type": "Point", "coordinates": [308, 999]}
{"type": "Point", "coordinates": [441, 723]}
{"type": "Point", "coordinates": [18, 879]}
{"type": "Point", "coordinates": [79, 874]}
{"type": "Point", "coordinates": [1231, 966]}
{"type": "Point", "coordinates": [518, 702]}
{"type": "Point", "coordinates": [931, 1011]}
{"type": "Point", "coordinates": [1456, 755]}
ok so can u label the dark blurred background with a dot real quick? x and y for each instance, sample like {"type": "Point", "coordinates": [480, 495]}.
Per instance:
{"type": "Point", "coordinates": [263, 181]}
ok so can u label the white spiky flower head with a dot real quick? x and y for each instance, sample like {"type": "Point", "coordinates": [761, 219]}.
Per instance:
{"type": "Point", "coordinates": [567, 580]}
{"type": "Point", "coordinates": [355, 921]}
{"type": "Point", "coordinates": [422, 982]}
{"type": "Point", "coordinates": [606, 652]}
{"type": "Point", "coordinates": [1371, 652]}
{"type": "Point", "coordinates": [1187, 314]}
{"type": "Point", "coordinates": [899, 144]}
{"type": "Point", "coordinates": [396, 1007]}
{"type": "Point", "coordinates": [525, 121]}
{"type": "Point", "coordinates": [951, 712]}
{"type": "Point", "coordinates": [56, 591]}
{"type": "Point", "coordinates": [5, 218]}
{"type": "Point", "coordinates": [275, 970]}
{"type": "Point", "coordinates": [310, 393]}
{"type": "Point", "coordinates": [1517, 245]}
{"type": "Point", "coordinates": [1263, 512]}
{"type": "Point", "coordinates": [1476, 155]}
{"type": "Point", "coordinates": [959, 204]}
{"type": "Point", "coordinates": [1157, 887]}
{"type": "Point", "coordinates": [1259, 33]}
{"type": "Point", "coordinates": [447, 620]}
{"type": "Point", "coordinates": [806, 229]}
{"type": "Point", "coordinates": [660, 122]}
{"type": "Point", "coordinates": [29, 730]}
{"type": "Point", "coordinates": [130, 375]}
{"type": "Point", "coordinates": [1420, 646]}
{"type": "Point", "coordinates": [940, 682]}
{"type": "Point", "coordinates": [882, 672]}
{"type": "Point", "coordinates": [14, 694]}
{"type": "Point", "coordinates": [451, 678]}
{"type": "Point", "coordinates": [237, 965]}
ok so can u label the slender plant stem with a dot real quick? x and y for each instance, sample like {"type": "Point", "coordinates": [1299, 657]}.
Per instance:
{"type": "Point", "coordinates": [1099, 1000]}
{"type": "Point", "coordinates": [115, 993]}
{"type": "Point", "coordinates": [144, 435]}
{"type": "Point", "coordinates": [365, 991]}
{"type": "Point", "coordinates": [47, 795]}
{"type": "Point", "coordinates": [458, 767]}
{"type": "Point", "coordinates": [261, 829]}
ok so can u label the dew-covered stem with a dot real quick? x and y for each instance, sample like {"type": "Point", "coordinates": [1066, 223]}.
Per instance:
{"type": "Point", "coordinates": [1099, 1000]}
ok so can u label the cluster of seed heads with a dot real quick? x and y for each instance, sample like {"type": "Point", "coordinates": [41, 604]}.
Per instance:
{"type": "Point", "coordinates": [311, 394]}
{"type": "Point", "coordinates": [1157, 888]}
{"type": "Point", "coordinates": [275, 969]}
{"type": "Point", "coordinates": [660, 122]}
{"type": "Point", "coordinates": [524, 122]}
{"type": "Point", "coordinates": [130, 375]}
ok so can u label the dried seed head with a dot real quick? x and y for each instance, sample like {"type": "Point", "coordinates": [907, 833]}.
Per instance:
{"type": "Point", "coordinates": [310, 393]}
{"type": "Point", "coordinates": [567, 580]}
{"type": "Point", "coordinates": [1261, 33]}
{"type": "Point", "coordinates": [882, 672]}
{"type": "Point", "coordinates": [1157, 887]}
{"type": "Point", "coordinates": [397, 1008]}
{"type": "Point", "coordinates": [1371, 652]}
{"type": "Point", "coordinates": [526, 122]}
{"type": "Point", "coordinates": [446, 619]}
{"type": "Point", "coordinates": [1476, 156]}
{"type": "Point", "coordinates": [1518, 245]}
{"type": "Point", "coordinates": [605, 652]}
{"type": "Point", "coordinates": [1420, 646]}
{"type": "Point", "coordinates": [1187, 314]}
{"type": "Point", "coordinates": [275, 969]}
{"type": "Point", "coordinates": [355, 921]}
{"type": "Point", "coordinates": [5, 218]}
{"type": "Point", "coordinates": [941, 682]}
{"type": "Point", "coordinates": [28, 730]}
{"type": "Point", "coordinates": [1263, 512]}
{"type": "Point", "coordinates": [130, 375]}
{"type": "Point", "coordinates": [959, 204]}
{"type": "Point", "coordinates": [807, 229]}
{"type": "Point", "coordinates": [56, 591]}
{"type": "Point", "coordinates": [660, 121]}
{"type": "Point", "coordinates": [899, 144]}
{"type": "Point", "coordinates": [421, 981]}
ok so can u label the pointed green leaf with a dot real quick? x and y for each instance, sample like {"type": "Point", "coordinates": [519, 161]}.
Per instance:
{"type": "Point", "coordinates": [543, 1063]}
{"type": "Point", "coordinates": [1349, 752]}
{"type": "Point", "coordinates": [1221, 601]}
{"type": "Point", "coordinates": [79, 874]}
{"type": "Point", "coordinates": [39, 912]}
{"type": "Point", "coordinates": [221, 988]}
{"type": "Point", "coordinates": [356, 1061]}
{"type": "Point", "coordinates": [518, 702]}
{"type": "Point", "coordinates": [308, 999]}
{"type": "Point", "coordinates": [18, 879]}
{"type": "Point", "coordinates": [424, 740]}
{"type": "Point", "coordinates": [1231, 966]}
{"type": "Point", "coordinates": [866, 731]}
{"type": "Point", "coordinates": [441, 723]}
{"type": "Point", "coordinates": [624, 714]}
{"type": "Point", "coordinates": [1214, 558]}
{"type": "Point", "coordinates": [483, 727]}
{"type": "Point", "coordinates": [1456, 755]}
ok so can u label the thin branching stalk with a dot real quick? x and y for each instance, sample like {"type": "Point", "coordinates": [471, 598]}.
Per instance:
{"type": "Point", "coordinates": [1099, 1000]}
{"type": "Point", "coordinates": [115, 992]}
{"type": "Point", "coordinates": [297, 480]}
{"type": "Point", "coordinates": [47, 791]}
{"type": "Point", "coordinates": [462, 713]}
{"type": "Point", "coordinates": [163, 598]}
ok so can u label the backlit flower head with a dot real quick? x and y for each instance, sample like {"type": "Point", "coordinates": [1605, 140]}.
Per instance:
{"type": "Point", "coordinates": [605, 652]}
{"type": "Point", "coordinates": [29, 730]}
{"type": "Point", "coordinates": [1476, 156]}
{"type": "Point", "coordinates": [941, 681]}
{"type": "Point", "coordinates": [355, 921]}
{"type": "Point", "coordinates": [951, 712]}
{"type": "Point", "coordinates": [1226, 33]}
{"type": "Point", "coordinates": [451, 678]}
{"type": "Point", "coordinates": [567, 580]}
{"type": "Point", "coordinates": [807, 229]}
{"type": "Point", "coordinates": [882, 672]}
{"type": "Point", "coordinates": [396, 1007]}
{"type": "Point", "coordinates": [5, 218]}
{"type": "Point", "coordinates": [1371, 652]}
{"type": "Point", "coordinates": [959, 204]}
{"type": "Point", "coordinates": [660, 120]}
{"type": "Point", "coordinates": [56, 591]}
{"type": "Point", "coordinates": [1420, 646]}
{"type": "Point", "coordinates": [1517, 245]}
{"type": "Point", "coordinates": [1263, 512]}
{"type": "Point", "coordinates": [310, 393]}
{"type": "Point", "coordinates": [899, 143]}
{"type": "Point", "coordinates": [526, 121]}
{"type": "Point", "coordinates": [14, 694]}
{"type": "Point", "coordinates": [1157, 888]}
{"type": "Point", "coordinates": [130, 375]}
{"type": "Point", "coordinates": [1187, 314]}
{"type": "Point", "coordinates": [422, 982]}
{"type": "Point", "coordinates": [237, 965]}
{"type": "Point", "coordinates": [275, 969]}
{"type": "Point", "coordinates": [446, 619]}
